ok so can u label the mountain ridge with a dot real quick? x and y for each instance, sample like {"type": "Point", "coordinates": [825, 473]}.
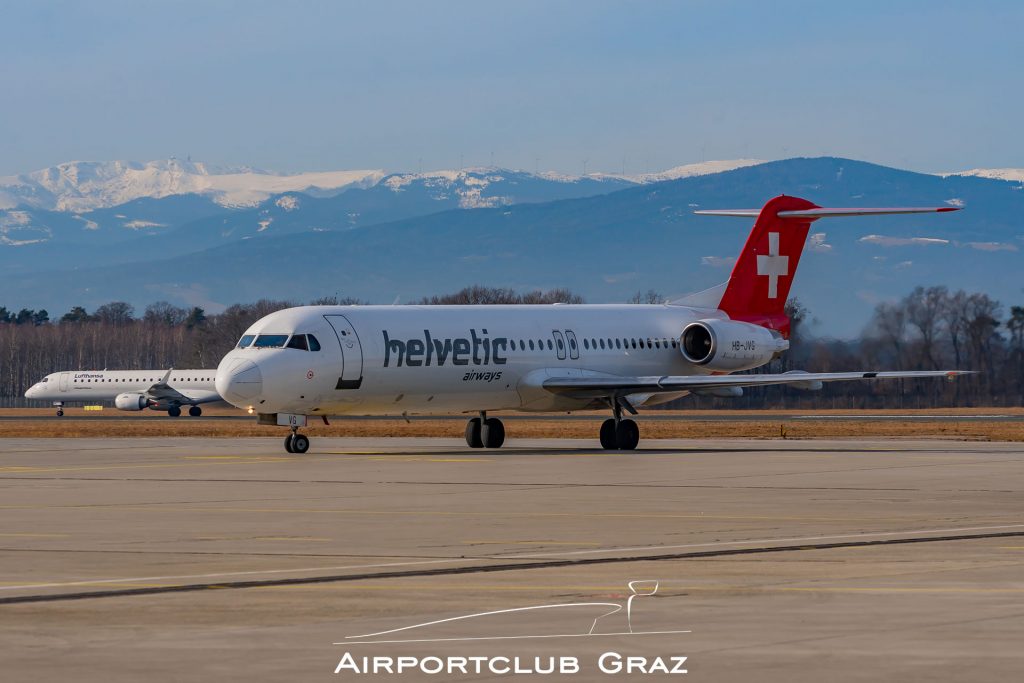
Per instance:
{"type": "Point", "coordinates": [605, 246]}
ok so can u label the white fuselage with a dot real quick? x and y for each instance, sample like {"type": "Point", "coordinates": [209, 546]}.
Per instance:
{"type": "Point", "coordinates": [105, 385]}
{"type": "Point", "coordinates": [449, 359]}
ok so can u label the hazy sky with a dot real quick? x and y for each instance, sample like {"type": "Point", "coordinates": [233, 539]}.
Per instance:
{"type": "Point", "coordinates": [326, 85]}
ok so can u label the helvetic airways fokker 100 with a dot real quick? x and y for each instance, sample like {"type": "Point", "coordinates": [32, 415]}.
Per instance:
{"type": "Point", "coordinates": [332, 360]}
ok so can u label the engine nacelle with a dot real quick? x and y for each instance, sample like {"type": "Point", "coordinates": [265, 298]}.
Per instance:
{"type": "Point", "coordinates": [729, 345]}
{"type": "Point", "coordinates": [131, 401]}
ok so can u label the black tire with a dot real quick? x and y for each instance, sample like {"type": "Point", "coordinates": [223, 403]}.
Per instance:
{"type": "Point", "coordinates": [608, 440]}
{"type": "Point", "coordinates": [288, 443]}
{"type": "Point", "coordinates": [473, 430]}
{"type": "Point", "coordinates": [493, 433]}
{"type": "Point", "coordinates": [60, 413]}
{"type": "Point", "coordinates": [300, 443]}
{"type": "Point", "coordinates": [195, 411]}
{"type": "Point", "coordinates": [174, 411]}
{"type": "Point", "coordinates": [627, 435]}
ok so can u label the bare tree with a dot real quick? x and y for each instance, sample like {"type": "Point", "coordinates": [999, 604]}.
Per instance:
{"type": "Point", "coordinates": [924, 312]}
{"type": "Point", "coordinates": [115, 313]}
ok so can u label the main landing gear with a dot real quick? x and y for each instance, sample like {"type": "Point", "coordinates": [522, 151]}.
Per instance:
{"type": "Point", "coordinates": [295, 442]}
{"type": "Point", "coordinates": [618, 433]}
{"type": "Point", "coordinates": [485, 432]}
{"type": "Point", "coordinates": [193, 411]}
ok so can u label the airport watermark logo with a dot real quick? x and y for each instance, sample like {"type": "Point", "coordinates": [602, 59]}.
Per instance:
{"type": "Point", "coordinates": [475, 625]}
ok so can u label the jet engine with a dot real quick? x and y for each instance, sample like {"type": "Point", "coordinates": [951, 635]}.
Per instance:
{"type": "Point", "coordinates": [131, 401]}
{"type": "Point", "coordinates": [729, 345]}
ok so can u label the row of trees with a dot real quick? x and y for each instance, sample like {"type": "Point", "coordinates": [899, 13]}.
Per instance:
{"type": "Point", "coordinates": [930, 328]}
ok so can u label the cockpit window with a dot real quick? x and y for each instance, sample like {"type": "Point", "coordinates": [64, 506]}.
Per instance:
{"type": "Point", "coordinates": [314, 345]}
{"type": "Point", "coordinates": [270, 341]}
{"type": "Point", "coordinates": [45, 379]}
{"type": "Point", "coordinates": [245, 340]}
{"type": "Point", "coordinates": [298, 341]}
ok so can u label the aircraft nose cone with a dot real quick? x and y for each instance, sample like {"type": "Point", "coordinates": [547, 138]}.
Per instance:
{"type": "Point", "coordinates": [32, 391]}
{"type": "Point", "coordinates": [239, 381]}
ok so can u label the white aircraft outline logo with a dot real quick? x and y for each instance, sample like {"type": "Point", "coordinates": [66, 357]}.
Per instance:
{"type": "Point", "coordinates": [637, 589]}
{"type": "Point", "coordinates": [773, 265]}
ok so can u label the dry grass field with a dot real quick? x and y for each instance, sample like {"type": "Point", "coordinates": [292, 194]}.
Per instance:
{"type": "Point", "coordinates": [743, 424]}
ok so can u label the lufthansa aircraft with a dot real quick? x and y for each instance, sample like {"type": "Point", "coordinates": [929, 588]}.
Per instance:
{"type": "Point", "coordinates": [331, 360]}
{"type": "Point", "coordinates": [167, 390]}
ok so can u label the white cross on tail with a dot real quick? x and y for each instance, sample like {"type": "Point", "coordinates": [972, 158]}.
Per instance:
{"type": "Point", "coordinates": [773, 265]}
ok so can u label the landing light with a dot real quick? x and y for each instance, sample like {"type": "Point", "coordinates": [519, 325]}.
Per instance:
{"type": "Point", "coordinates": [250, 410]}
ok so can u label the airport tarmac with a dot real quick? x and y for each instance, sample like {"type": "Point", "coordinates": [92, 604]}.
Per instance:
{"type": "Point", "coordinates": [775, 560]}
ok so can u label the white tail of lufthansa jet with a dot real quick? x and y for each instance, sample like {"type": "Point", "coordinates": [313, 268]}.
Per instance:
{"type": "Point", "coordinates": [334, 360]}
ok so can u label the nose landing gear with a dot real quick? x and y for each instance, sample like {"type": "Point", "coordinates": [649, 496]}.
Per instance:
{"type": "Point", "coordinates": [485, 432]}
{"type": "Point", "coordinates": [295, 442]}
{"type": "Point", "coordinates": [618, 433]}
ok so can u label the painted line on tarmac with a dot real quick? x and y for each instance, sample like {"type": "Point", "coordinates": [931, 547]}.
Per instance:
{"type": "Point", "coordinates": [867, 539]}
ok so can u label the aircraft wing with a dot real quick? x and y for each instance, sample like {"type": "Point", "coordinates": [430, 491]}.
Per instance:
{"type": "Point", "coordinates": [162, 391]}
{"type": "Point", "coordinates": [597, 387]}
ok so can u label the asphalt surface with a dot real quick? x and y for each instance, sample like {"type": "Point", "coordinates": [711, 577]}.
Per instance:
{"type": "Point", "coordinates": [596, 416]}
{"type": "Point", "coordinates": [189, 559]}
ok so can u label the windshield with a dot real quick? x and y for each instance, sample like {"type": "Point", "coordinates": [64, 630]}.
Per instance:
{"type": "Point", "coordinates": [246, 340]}
{"type": "Point", "coordinates": [270, 341]}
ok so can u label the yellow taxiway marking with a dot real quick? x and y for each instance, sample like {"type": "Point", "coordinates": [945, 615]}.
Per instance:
{"type": "Point", "coordinates": [213, 457]}
{"type": "Point", "coordinates": [404, 458]}
{"type": "Point", "coordinates": [537, 542]}
{"type": "Point", "coordinates": [466, 513]}
{"type": "Point", "coordinates": [893, 589]}
{"type": "Point", "coordinates": [31, 535]}
{"type": "Point", "coordinates": [161, 465]}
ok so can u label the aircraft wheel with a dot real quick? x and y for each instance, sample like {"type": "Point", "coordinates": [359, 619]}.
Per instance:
{"type": "Point", "coordinates": [627, 435]}
{"type": "Point", "coordinates": [288, 443]}
{"type": "Point", "coordinates": [473, 436]}
{"type": "Point", "coordinates": [608, 441]}
{"type": "Point", "coordinates": [493, 433]}
{"type": "Point", "coordinates": [195, 411]}
{"type": "Point", "coordinates": [300, 443]}
{"type": "Point", "coordinates": [60, 412]}
{"type": "Point", "coordinates": [174, 411]}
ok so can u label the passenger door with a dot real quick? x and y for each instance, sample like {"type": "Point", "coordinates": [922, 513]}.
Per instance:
{"type": "Point", "coordinates": [574, 348]}
{"type": "Point", "coordinates": [64, 379]}
{"type": "Point", "coordinates": [559, 344]}
{"type": "Point", "coordinates": [351, 352]}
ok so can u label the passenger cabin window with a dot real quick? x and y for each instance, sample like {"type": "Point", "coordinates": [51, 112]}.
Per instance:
{"type": "Point", "coordinates": [246, 340]}
{"type": "Point", "coordinates": [270, 341]}
{"type": "Point", "coordinates": [298, 341]}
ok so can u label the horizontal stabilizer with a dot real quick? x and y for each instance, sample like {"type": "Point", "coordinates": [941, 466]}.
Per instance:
{"type": "Point", "coordinates": [823, 212]}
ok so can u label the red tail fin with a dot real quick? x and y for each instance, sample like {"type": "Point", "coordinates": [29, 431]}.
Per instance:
{"type": "Point", "coordinates": [760, 280]}
{"type": "Point", "coordinates": [763, 274]}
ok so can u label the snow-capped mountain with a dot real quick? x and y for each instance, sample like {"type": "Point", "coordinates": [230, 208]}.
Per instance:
{"type": "Point", "coordinates": [1011, 174]}
{"type": "Point", "coordinates": [80, 186]}
{"type": "Point", "coordinates": [690, 170]}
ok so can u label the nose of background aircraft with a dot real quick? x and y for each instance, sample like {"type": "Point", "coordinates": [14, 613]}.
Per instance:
{"type": "Point", "coordinates": [238, 381]}
{"type": "Point", "coordinates": [32, 391]}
